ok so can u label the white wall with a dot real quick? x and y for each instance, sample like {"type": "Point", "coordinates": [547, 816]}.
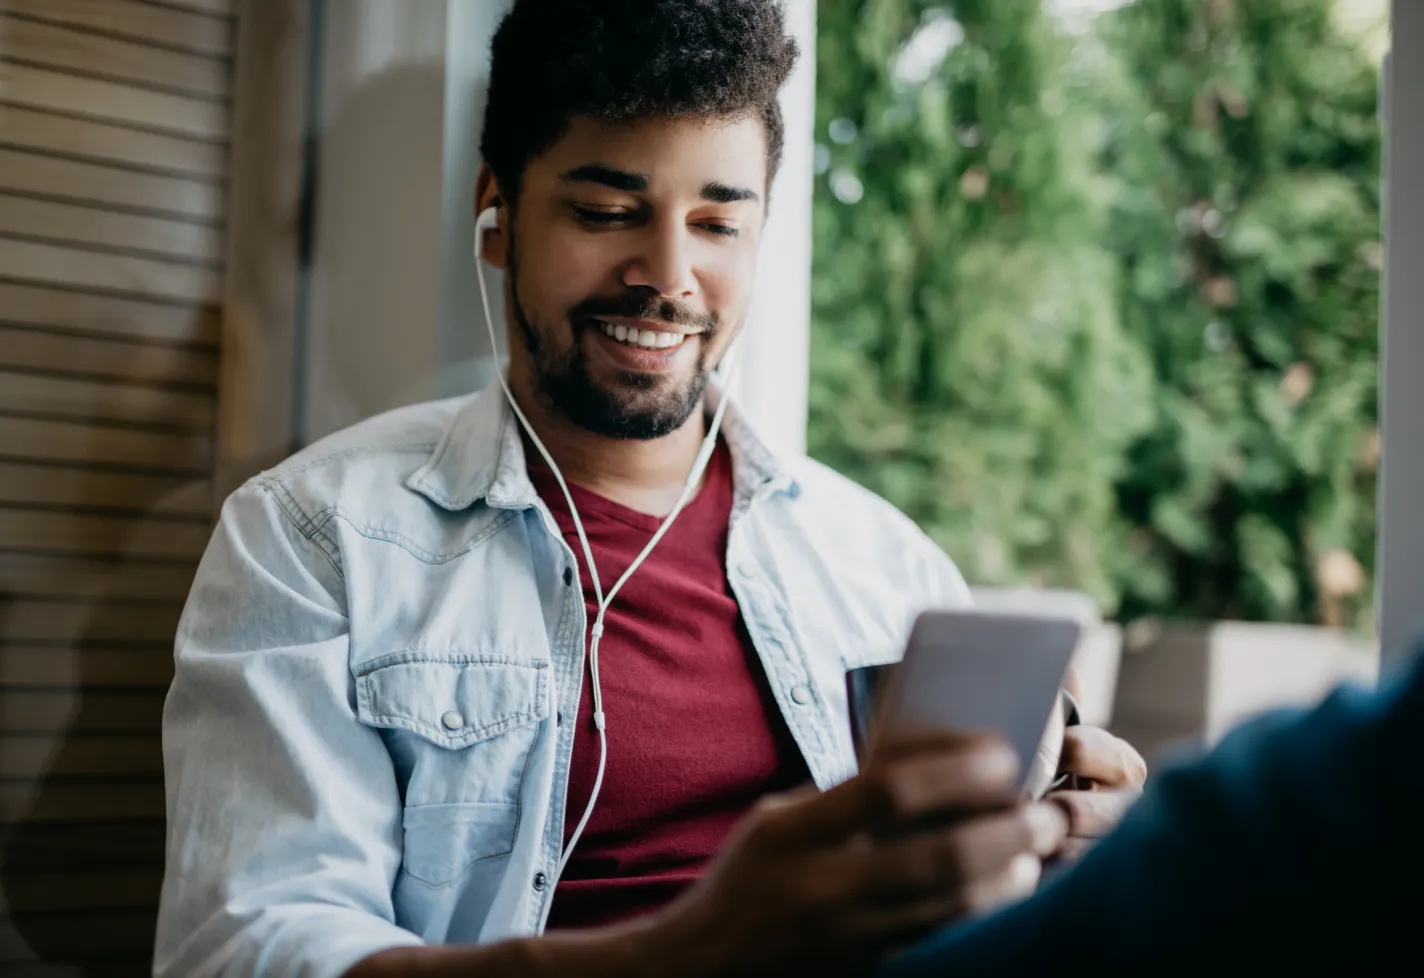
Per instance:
{"type": "Point", "coordinates": [1401, 530]}
{"type": "Point", "coordinates": [393, 308]}
{"type": "Point", "coordinates": [775, 364]}
{"type": "Point", "coordinates": [369, 336]}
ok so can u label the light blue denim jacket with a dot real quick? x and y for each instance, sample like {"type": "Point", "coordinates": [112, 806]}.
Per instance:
{"type": "Point", "coordinates": [363, 740]}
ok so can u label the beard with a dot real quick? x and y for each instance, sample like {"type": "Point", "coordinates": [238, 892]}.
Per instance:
{"type": "Point", "coordinates": [636, 406]}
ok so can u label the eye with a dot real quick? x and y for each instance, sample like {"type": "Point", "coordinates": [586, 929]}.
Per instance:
{"type": "Point", "coordinates": [600, 218]}
{"type": "Point", "coordinates": [725, 230]}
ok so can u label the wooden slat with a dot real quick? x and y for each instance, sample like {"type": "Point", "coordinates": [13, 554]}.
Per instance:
{"type": "Point", "coordinates": [113, 102]}
{"type": "Point", "coordinates": [49, 666]}
{"type": "Point", "coordinates": [58, 47]}
{"type": "Point", "coordinates": [40, 756]}
{"type": "Point", "coordinates": [152, 236]}
{"type": "Point", "coordinates": [58, 802]}
{"type": "Point", "coordinates": [59, 532]}
{"type": "Point", "coordinates": [93, 890]}
{"type": "Point", "coordinates": [28, 305]}
{"type": "Point", "coordinates": [63, 441]}
{"type": "Point", "coordinates": [71, 267]}
{"type": "Point", "coordinates": [67, 845]}
{"type": "Point", "coordinates": [29, 349]}
{"type": "Point", "coordinates": [95, 142]}
{"type": "Point", "coordinates": [78, 933]}
{"type": "Point", "coordinates": [109, 186]}
{"type": "Point", "coordinates": [26, 621]}
{"type": "Point", "coordinates": [144, 23]}
{"type": "Point", "coordinates": [74, 713]}
{"type": "Point", "coordinates": [103, 400]}
{"type": "Point", "coordinates": [217, 8]}
{"type": "Point", "coordinates": [106, 966]}
{"type": "Point", "coordinates": [38, 575]}
{"type": "Point", "coordinates": [93, 489]}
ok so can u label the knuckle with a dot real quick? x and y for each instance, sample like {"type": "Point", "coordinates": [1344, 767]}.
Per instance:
{"type": "Point", "coordinates": [881, 794]}
{"type": "Point", "coordinates": [1136, 769]}
{"type": "Point", "coordinates": [951, 856]}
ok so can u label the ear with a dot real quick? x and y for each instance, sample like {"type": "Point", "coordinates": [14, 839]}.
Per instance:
{"type": "Point", "coordinates": [495, 248]}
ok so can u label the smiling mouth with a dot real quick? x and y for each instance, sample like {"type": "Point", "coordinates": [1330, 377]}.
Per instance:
{"type": "Point", "coordinates": [643, 339]}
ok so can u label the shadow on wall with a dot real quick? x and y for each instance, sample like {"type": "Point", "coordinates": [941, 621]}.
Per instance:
{"type": "Point", "coordinates": [373, 340]}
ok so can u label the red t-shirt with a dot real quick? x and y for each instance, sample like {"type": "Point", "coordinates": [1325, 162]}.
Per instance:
{"type": "Point", "coordinates": [694, 736]}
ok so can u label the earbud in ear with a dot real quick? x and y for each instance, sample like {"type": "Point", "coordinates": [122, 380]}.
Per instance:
{"type": "Point", "coordinates": [487, 221]}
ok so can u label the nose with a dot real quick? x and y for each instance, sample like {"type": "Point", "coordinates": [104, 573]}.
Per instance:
{"type": "Point", "coordinates": [663, 263]}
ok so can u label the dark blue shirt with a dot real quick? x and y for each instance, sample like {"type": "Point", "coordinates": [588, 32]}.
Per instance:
{"type": "Point", "coordinates": [1297, 846]}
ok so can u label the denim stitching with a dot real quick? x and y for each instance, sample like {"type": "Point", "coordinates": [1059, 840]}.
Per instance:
{"type": "Point", "coordinates": [285, 471]}
{"type": "Point", "coordinates": [433, 733]}
{"type": "Point", "coordinates": [410, 546]}
{"type": "Point", "coordinates": [418, 655]}
{"type": "Point", "coordinates": [289, 508]}
{"type": "Point", "coordinates": [464, 869]}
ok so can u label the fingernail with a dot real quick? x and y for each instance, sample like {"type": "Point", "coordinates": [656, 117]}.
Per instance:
{"type": "Point", "coordinates": [1024, 872]}
{"type": "Point", "coordinates": [997, 762]}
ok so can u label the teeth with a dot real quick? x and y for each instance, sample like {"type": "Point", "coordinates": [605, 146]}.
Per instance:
{"type": "Point", "coordinates": [646, 338]}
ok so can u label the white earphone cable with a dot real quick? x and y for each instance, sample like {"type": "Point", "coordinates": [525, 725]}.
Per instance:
{"type": "Point", "coordinates": [704, 455]}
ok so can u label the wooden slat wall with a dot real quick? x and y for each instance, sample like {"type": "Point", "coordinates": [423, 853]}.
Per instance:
{"type": "Point", "coordinates": [115, 121]}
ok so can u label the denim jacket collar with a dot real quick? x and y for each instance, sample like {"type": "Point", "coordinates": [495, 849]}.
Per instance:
{"type": "Point", "coordinates": [480, 456]}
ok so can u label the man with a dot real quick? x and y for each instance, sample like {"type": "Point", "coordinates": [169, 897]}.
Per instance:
{"type": "Point", "coordinates": [382, 732]}
{"type": "Point", "coordinates": [1293, 849]}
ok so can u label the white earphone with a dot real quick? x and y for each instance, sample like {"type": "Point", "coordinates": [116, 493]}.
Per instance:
{"type": "Point", "coordinates": [489, 220]}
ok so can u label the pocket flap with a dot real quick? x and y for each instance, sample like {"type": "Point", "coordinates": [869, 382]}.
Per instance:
{"type": "Point", "coordinates": [455, 700]}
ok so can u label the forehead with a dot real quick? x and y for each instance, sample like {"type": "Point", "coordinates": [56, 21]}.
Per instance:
{"type": "Point", "coordinates": [675, 154]}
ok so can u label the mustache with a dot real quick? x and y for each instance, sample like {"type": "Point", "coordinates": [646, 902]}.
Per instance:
{"type": "Point", "coordinates": [633, 305]}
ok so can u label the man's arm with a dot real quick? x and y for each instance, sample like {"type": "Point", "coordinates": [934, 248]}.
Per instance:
{"type": "Point", "coordinates": [1294, 845]}
{"type": "Point", "coordinates": [283, 811]}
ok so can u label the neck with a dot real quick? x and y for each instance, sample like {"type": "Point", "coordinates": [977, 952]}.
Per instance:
{"type": "Point", "coordinates": [647, 476]}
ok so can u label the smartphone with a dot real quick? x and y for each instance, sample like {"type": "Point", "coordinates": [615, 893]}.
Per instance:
{"type": "Point", "coordinates": [973, 671]}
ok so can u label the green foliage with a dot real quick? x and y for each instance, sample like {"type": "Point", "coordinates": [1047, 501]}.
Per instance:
{"type": "Point", "coordinates": [1101, 311]}
{"type": "Point", "coordinates": [1245, 150]}
{"type": "Point", "coordinates": [968, 361]}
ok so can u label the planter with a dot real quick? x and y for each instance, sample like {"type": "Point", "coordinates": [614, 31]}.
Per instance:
{"type": "Point", "coordinates": [1184, 685]}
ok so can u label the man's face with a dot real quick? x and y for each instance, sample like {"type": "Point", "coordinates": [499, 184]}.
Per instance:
{"type": "Point", "coordinates": [631, 266]}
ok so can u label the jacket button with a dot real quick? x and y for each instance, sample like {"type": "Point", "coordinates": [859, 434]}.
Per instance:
{"type": "Point", "coordinates": [540, 882]}
{"type": "Point", "coordinates": [568, 577]}
{"type": "Point", "coordinates": [452, 720]}
{"type": "Point", "coordinates": [801, 695]}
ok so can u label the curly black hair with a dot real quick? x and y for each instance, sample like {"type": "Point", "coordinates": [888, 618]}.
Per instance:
{"type": "Point", "coordinates": [616, 60]}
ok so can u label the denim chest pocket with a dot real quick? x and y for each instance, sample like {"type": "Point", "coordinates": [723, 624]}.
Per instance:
{"type": "Point", "coordinates": [460, 729]}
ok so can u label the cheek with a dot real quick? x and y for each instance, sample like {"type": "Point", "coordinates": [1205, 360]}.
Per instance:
{"type": "Point", "coordinates": [727, 287]}
{"type": "Point", "coordinates": [557, 272]}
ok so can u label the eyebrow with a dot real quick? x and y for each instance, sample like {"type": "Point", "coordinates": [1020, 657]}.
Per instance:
{"type": "Point", "coordinates": [720, 193]}
{"type": "Point", "coordinates": [633, 183]}
{"type": "Point", "coordinates": [607, 176]}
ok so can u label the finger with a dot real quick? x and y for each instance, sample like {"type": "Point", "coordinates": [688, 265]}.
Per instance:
{"type": "Point", "coordinates": [971, 774]}
{"type": "Point", "coordinates": [1093, 814]}
{"type": "Point", "coordinates": [807, 818]}
{"type": "Point", "coordinates": [1073, 850]}
{"type": "Point", "coordinates": [953, 859]}
{"type": "Point", "coordinates": [1092, 752]}
{"type": "Point", "coordinates": [943, 861]}
{"type": "Point", "coordinates": [1015, 882]}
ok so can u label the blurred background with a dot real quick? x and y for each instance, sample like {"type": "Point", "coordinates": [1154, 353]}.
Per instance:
{"type": "Point", "coordinates": [1089, 288]}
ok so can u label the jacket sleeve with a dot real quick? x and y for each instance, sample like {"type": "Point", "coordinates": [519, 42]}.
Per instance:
{"type": "Point", "coordinates": [284, 816]}
{"type": "Point", "coordinates": [1291, 848]}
